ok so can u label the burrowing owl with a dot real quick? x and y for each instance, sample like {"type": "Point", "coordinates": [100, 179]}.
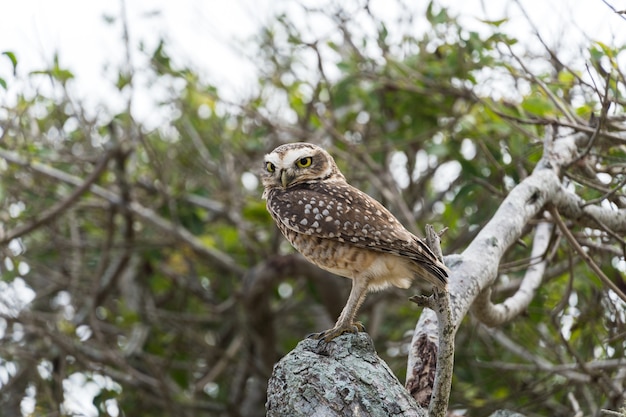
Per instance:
{"type": "Point", "coordinates": [341, 229]}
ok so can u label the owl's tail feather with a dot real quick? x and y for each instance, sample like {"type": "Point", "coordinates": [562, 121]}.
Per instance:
{"type": "Point", "coordinates": [428, 266]}
{"type": "Point", "coordinates": [439, 275]}
{"type": "Point", "coordinates": [432, 271]}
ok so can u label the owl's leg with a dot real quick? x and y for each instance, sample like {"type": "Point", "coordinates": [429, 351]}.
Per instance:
{"type": "Point", "coordinates": [345, 322]}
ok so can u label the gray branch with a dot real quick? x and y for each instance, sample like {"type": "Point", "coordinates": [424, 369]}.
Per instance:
{"type": "Point", "coordinates": [573, 207]}
{"type": "Point", "coordinates": [496, 314]}
{"type": "Point", "coordinates": [477, 267]}
{"type": "Point", "coordinates": [475, 270]}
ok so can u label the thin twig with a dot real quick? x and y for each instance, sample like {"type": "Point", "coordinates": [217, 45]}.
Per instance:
{"type": "Point", "coordinates": [439, 302]}
{"type": "Point", "coordinates": [445, 358]}
{"type": "Point", "coordinates": [222, 259]}
{"type": "Point", "coordinates": [554, 98]}
{"type": "Point", "coordinates": [610, 192]}
{"type": "Point", "coordinates": [600, 124]}
{"type": "Point", "coordinates": [621, 14]}
{"type": "Point", "coordinates": [50, 214]}
{"type": "Point", "coordinates": [575, 405]}
{"type": "Point", "coordinates": [611, 413]}
{"type": "Point", "coordinates": [572, 240]}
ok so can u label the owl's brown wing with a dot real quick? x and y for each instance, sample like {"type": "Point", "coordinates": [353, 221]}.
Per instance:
{"type": "Point", "coordinates": [343, 213]}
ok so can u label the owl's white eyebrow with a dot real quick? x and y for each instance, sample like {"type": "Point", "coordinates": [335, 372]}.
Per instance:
{"type": "Point", "coordinates": [289, 159]}
{"type": "Point", "coordinates": [273, 159]}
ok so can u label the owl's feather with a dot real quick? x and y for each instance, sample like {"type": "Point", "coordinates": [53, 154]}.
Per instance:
{"type": "Point", "coordinates": [342, 213]}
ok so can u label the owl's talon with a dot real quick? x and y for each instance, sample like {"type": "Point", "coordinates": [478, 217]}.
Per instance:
{"type": "Point", "coordinates": [360, 327]}
{"type": "Point", "coordinates": [330, 334]}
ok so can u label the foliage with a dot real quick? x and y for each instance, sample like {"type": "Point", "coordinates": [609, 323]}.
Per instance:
{"type": "Point", "coordinates": [158, 274]}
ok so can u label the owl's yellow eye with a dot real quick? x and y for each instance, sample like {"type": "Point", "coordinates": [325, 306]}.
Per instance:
{"type": "Point", "coordinates": [270, 167]}
{"type": "Point", "coordinates": [304, 162]}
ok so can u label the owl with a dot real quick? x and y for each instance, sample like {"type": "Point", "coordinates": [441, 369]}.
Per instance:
{"type": "Point", "coordinates": [342, 230]}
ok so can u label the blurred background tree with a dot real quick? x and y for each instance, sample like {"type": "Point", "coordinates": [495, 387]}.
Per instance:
{"type": "Point", "coordinates": [141, 265]}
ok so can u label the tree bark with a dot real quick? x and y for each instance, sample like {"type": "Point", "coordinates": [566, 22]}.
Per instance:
{"type": "Point", "coordinates": [344, 377]}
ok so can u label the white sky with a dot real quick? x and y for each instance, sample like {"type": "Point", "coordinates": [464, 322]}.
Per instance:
{"type": "Point", "coordinates": [204, 33]}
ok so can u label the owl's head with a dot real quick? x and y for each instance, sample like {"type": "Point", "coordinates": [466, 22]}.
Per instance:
{"type": "Point", "coordinates": [297, 163]}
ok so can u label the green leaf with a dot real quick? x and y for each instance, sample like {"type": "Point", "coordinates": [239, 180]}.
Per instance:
{"type": "Point", "coordinates": [383, 32]}
{"type": "Point", "coordinates": [123, 79]}
{"type": "Point", "coordinates": [585, 110]}
{"type": "Point", "coordinates": [537, 106]}
{"type": "Point", "coordinates": [13, 59]}
{"type": "Point", "coordinates": [59, 74]}
{"type": "Point", "coordinates": [496, 23]}
{"type": "Point", "coordinates": [566, 77]}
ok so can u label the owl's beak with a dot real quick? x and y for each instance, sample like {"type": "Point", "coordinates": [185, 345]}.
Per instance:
{"type": "Point", "coordinates": [286, 178]}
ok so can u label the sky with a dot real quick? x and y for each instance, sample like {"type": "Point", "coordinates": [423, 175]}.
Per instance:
{"type": "Point", "coordinates": [210, 35]}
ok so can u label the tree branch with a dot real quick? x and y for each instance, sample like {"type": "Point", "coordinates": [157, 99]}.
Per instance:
{"type": "Point", "coordinates": [574, 207]}
{"type": "Point", "coordinates": [584, 255]}
{"type": "Point", "coordinates": [496, 314]}
{"type": "Point", "coordinates": [431, 359]}
{"type": "Point", "coordinates": [481, 258]}
{"type": "Point", "coordinates": [477, 268]}
{"type": "Point", "coordinates": [146, 214]}
{"type": "Point", "coordinates": [539, 362]}
{"type": "Point", "coordinates": [51, 213]}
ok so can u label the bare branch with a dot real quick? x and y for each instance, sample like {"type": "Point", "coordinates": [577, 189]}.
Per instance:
{"type": "Point", "coordinates": [575, 208]}
{"type": "Point", "coordinates": [537, 361]}
{"type": "Point", "coordinates": [521, 205]}
{"type": "Point", "coordinates": [584, 255]}
{"type": "Point", "coordinates": [431, 359]}
{"type": "Point", "coordinates": [620, 13]}
{"type": "Point", "coordinates": [558, 368]}
{"type": "Point", "coordinates": [57, 209]}
{"type": "Point", "coordinates": [222, 259]}
{"type": "Point", "coordinates": [493, 315]}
